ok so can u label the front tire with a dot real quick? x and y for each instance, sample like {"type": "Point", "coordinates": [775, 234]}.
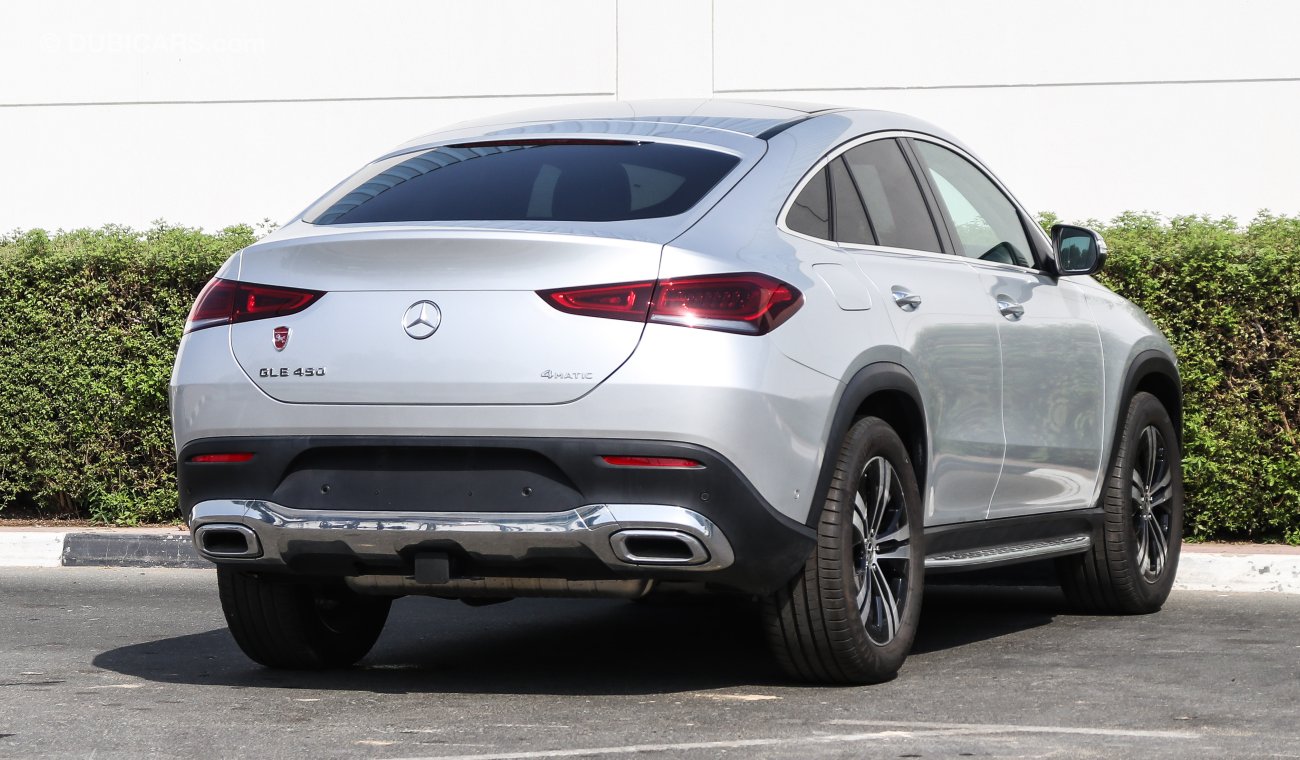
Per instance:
{"type": "Point", "coordinates": [852, 615]}
{"type": "Point", "coordinates": [281, 623]}
{"type": "Point", "coordinates": [1131, 569]}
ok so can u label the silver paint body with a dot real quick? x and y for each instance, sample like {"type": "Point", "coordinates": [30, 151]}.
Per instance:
{"type": "Point", "coordinates": [1018, 412]}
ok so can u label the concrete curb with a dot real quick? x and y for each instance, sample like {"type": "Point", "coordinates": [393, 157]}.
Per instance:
{"type": "Point", "coordinates": [98, 547]}
{"type": "Point", "coordinates": [1203, 567]}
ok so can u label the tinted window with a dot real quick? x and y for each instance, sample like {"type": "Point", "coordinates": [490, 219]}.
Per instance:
{"type": "Point", "coordinates": [986, 222]}
{"type": "Point", "coordinates": [850, 221]}
{"type": "Point", "coordinates": [894, 203]}
{"type": "Point", "coordinates": [556, 180]}
{"type": "Point", "coordinates": [810, 213]}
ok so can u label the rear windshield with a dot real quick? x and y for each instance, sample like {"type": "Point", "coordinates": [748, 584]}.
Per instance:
{"type": "Point", "coordinates": [559, 180]}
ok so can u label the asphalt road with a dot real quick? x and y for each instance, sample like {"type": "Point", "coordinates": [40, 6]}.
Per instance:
{"type": "Point", "coordinates": [128, 663]}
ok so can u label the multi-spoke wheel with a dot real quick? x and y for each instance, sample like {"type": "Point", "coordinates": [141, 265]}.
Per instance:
{"type": "Point", "coordinates": [881, 559]}
{"type": "Point", "coordinates": [1131, 567]}
{"type": "Point", "coordinates": [1152, 498]}
{"type": "Point", "coordinates": [850, 617]}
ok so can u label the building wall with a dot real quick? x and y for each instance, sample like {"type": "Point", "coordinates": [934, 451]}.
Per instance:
{"type": "Point", "coordinates": [212, 113]}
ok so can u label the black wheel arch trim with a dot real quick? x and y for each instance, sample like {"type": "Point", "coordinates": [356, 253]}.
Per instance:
{"type": "Point", "coordinates": [877, 377]}
{"type": "Point", "coordinates": [1149, 364]}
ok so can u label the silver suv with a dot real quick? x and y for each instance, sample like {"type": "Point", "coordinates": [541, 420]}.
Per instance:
{"type": "Point", "coordinates": [805, 354]}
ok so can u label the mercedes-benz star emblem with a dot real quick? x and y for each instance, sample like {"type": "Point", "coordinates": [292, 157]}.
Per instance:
{"type": "Point", "coordinates": [422, 319]}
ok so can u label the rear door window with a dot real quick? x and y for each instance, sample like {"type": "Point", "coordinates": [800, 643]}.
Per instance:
{"type": "Point", "coordinates": [552, 180]}
{"type": "Point", "coordinates": [892, 196]}
{"type": "Point", "coordinates": [849, 224]}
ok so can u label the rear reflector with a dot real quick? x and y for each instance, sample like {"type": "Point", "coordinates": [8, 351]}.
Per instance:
{"type": "Point", "coordinates": [223, 302]}
{"type": "Point", "coordinates": [747, 303]}
{"type": "Point", "coordinates": [239, 456]}
{"type": "Point", "coordinates": [670, 462]}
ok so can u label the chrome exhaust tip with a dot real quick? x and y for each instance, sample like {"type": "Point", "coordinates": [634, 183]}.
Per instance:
{"type": "Point", "coordinates": [655, 546]}
{"type": "Point", "coordinates": [227, 541]}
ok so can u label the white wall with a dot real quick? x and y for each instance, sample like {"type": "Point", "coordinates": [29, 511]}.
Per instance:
{"type": "Point", "coordinates": [211, 113]}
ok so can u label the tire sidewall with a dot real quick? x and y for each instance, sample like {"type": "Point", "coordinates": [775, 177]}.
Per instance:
{"type": "Point", "coordinates": [868, 438]}
{"type": "Point", "coordinates": [1146, 410]}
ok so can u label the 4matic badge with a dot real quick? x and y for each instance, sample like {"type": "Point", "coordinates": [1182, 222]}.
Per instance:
{"type": "Point", "coordinates": [553, 375]}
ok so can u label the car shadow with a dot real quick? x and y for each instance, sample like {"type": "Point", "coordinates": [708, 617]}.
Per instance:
{"type": "Point", "coordinates": [955, 615]}
{"type": "Point", "coordinates": [568, 647]}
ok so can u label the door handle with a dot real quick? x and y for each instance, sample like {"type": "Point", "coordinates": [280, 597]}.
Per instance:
{"type": "Point", "coordinates": [905, 299]}
{"type": "Point", "coordinates": [1010, 309]}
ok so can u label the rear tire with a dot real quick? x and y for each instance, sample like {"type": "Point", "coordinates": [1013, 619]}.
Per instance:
{"type": "Point", "coordinates": [1131, 569]}
{"type": "Point", "coordinates": [852, 615]}
{"type": "Point", "coordinates": [281, 623]}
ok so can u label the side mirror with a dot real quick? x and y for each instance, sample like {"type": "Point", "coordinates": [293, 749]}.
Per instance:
{"type": "Point", "coordinates": [1078, 250]}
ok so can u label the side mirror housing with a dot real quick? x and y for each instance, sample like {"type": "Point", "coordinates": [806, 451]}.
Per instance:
{"type": "Point", "coordinates": [1078, 250]}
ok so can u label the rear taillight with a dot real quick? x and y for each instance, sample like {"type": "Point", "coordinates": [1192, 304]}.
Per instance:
{"type": "Point", "coordinates": [223, 302]}
{"type": "Point", "coordinates": [629, 300]}
{"type": "Point", "coordinates": [744, 303]}
{"type": "Point", "coordinates": [748, 303]}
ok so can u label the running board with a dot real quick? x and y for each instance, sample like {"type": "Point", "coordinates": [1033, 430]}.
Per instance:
{"type": "Point", "coordinates": [1009, 553]}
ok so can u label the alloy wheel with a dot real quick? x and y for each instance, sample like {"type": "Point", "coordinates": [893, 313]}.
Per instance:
{"type": "Point", "coordinates": [1151, 498]}
{"type": "Point", "coordinates": [881, 550]}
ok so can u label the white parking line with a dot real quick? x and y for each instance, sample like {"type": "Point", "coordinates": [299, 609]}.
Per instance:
{"type": "Point", "coordinates": [630, 749]}
{"type": "Point", "coordinates": [995, 728]}
{"type": "Point", "coordinates": [899, 730]}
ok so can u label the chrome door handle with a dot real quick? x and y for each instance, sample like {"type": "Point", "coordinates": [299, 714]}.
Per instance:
{"type": "Point", "coordinates": [906, 300]}
{"type": "Point", "coordinates": [1010, 309]}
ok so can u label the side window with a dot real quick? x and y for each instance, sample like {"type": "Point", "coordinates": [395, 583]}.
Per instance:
{"type": "Point", "coordinates": [987, 223]}
{"type": "Point", "coordinates": [811, 213]}
{"type": "Point", "coordinates": [850, 222]}
{"type": "Point", "coordinates": [895, 207]}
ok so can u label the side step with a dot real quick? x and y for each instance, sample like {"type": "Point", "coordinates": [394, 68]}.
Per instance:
{"type": "Point", "coordinates": [1009, 553]}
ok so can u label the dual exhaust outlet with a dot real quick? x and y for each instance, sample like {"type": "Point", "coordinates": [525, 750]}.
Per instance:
{"type": "Point", "coordinates": [227, 541]}
{"type": "Point", "coordinates": [633, 546]}
{"type": "Point", "coordinates": [658, 546]}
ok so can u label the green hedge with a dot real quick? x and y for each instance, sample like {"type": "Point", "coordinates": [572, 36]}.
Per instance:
{"type": "Point", "coordinates": [1228, 299]}
{"type": "Point", "coordinates": [92, 319]}
{"type": "Point", "coordinates": [91, 323]}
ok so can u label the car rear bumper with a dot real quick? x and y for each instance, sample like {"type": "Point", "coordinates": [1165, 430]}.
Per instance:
{"type": "Point", "coordinates": [735, 395]}
{"type": "Point", "coordinates": [620, 536]}
{"type": "Point", "coordinates": [365, 507]}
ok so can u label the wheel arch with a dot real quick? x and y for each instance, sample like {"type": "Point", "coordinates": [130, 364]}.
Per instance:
{"type": "Point", "coordinates": [1152, 372]}
{"type": "Point", "coordinates": [885, 390]}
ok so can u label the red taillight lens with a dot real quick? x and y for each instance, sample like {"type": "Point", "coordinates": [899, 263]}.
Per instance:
{"type": "Point", "coordinates": [628, 300]}
{"type": "Point", "coordinates": [744, 303]}
{"type": "Point", "coordinates": [671, 462]}
{"type": "Point", "coordinates": [748, 303]}
{"type": "Point", "coordinates": [223, 302]}
{"type": "Point", "coordinates": [215, 304]}
{"type": "Point", "coordinates": [240, 456]}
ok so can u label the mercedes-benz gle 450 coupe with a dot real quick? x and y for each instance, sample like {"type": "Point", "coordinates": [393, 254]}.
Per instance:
{"type": "Point", "coordinates": [804, 354]}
